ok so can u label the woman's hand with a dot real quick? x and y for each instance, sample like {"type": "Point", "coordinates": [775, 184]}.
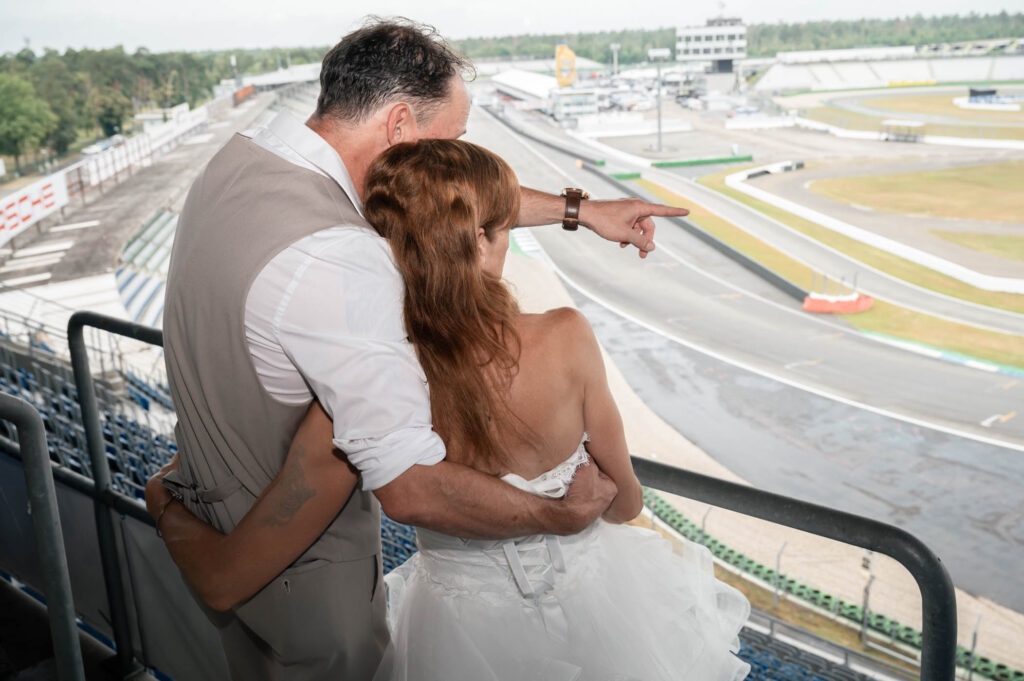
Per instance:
{"type": "Point", "coordinates": [158, 496]}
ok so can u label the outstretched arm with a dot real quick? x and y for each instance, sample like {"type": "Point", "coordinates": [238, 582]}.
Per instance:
{"type": "Point", "coordinates": [294, 509]}
{"type": "Point", "coordinates": [627, 221]}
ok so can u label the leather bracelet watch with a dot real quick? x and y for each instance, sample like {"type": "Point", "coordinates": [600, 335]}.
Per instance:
{"type": "Point", "coordinates": [573, 197]}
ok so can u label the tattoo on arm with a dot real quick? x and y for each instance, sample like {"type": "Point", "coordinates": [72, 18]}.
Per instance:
{"type": "Point", "coordinates": [294, 491]}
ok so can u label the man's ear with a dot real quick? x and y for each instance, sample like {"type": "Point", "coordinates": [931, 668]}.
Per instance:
{"type": "Point", "coordinates": [401, 124]}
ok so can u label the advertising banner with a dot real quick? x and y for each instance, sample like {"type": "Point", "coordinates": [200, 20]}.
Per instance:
{"type": "Point", "coordinates": [25, 207]}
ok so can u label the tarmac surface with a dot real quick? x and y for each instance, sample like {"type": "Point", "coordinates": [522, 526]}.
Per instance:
{"type": "Point", "coordinates": [778, 396]}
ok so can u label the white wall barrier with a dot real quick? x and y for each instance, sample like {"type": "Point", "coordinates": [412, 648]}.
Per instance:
{"type": "Point", "coordinates": [983, 281]}
{"type": "Point", "coordinates": [27, 206]}
{"type": "Point", "coordinates": [135, 151]}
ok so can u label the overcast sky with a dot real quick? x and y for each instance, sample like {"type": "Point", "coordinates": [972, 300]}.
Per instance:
{"type": "Point", "coordinates": [218, 24]}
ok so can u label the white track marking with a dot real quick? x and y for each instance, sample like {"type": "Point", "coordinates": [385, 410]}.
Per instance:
{"type": "Point", "coordinates": [906, 418]}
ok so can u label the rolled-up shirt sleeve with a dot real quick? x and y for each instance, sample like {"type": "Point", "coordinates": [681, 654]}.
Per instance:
{"type": "Point", "coordinates": [340, 322]}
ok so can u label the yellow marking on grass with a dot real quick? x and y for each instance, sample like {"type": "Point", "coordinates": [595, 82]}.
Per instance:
{"type": "Point", "coordinates": [884, 317]}
{"type": "Point", "coordinates": [869, 255]}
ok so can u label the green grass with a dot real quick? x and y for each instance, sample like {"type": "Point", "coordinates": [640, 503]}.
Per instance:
{"type": "Point", "coordinates": [874, 257]}
{"type": "Point", "coordinates": [982, 192]}
{"type": "Point", "coordinates": [1003, 245]}
{"type": "Point", "coordinates": [884, 317]}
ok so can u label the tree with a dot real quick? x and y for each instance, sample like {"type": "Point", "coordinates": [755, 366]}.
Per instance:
{"type": "Point", "coordinates": [25, 119]}
{"type": "Point", "coordinates": [113, 107]}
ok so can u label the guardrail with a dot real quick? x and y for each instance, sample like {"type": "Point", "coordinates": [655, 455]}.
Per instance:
{"type": "Point", "coordinates": [49, 538]}
{"type": "Point", "coordinates": [104, 494]}
{"type": "Point", "coordinates": [938, 646]}
{"type": "Point", "coordinates": [938, 599]}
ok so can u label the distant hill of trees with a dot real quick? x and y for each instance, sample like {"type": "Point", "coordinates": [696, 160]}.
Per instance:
{"type": "Point", "coordinates": [55, 100]}
{"type": "Point", "coordinates": [763, 40]}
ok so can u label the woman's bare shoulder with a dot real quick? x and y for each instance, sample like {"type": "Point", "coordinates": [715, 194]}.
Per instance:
{"type": "Point", "coordinates": [563, 333]}
{"type": "Point", "coordinates": [554, 322]}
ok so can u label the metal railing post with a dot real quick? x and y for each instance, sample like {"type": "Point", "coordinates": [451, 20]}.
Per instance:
{"type": "Point", "coordinates": [938, 599]}
{"type": "Point", "coordinates": [42, 499]}
{"type": "Point", "coordinates": [127, 666]}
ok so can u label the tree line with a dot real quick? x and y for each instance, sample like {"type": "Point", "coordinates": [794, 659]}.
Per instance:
{"type": "Point", "coordinates": [55, 101]}
{"type": "Point", "coordinates": [51, 101]}
{"type": "Point", "coordinates": [763, 40]}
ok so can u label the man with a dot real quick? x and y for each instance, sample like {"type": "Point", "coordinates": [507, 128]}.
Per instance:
{"type": "Point", "coordinates": [279, 292]}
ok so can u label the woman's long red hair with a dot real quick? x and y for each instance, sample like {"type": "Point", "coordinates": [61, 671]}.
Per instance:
{"type": "Point", "coordinates": [428, 198]}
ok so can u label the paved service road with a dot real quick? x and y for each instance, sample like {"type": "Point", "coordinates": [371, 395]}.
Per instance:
{"type": "Point", "coordinates": [743, 373]}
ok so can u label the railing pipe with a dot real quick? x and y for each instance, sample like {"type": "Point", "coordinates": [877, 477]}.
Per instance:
{"type": "Point", "coordinates": [938, 599]}
{"type": "Point", "coordinates": [42, 499]}
{"type": "Point", "coordinates": [938, 646]}
{"type": "Point", "coordinates": [106, 533]}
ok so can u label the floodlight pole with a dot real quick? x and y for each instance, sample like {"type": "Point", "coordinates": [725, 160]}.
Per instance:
{"type": "Point", "coordinates": [658, 55]}
{"type": "Point", "coordinates": [615, 47]}
{"type": "Point", "coordinates": [659, 104]}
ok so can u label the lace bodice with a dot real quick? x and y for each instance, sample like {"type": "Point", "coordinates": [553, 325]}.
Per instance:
{"type": "Point", "coordinates": [555, 482]}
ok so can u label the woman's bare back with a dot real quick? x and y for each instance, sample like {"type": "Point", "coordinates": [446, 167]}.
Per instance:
{"type": "Point", "coordinates": [548, 391]}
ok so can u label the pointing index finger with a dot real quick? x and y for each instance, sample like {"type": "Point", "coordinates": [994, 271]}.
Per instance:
{"type": "Point", "coordinates": [659, 210]}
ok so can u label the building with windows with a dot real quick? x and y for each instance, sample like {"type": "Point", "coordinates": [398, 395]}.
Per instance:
{"type": "Point", "coordinates": [719, 42]}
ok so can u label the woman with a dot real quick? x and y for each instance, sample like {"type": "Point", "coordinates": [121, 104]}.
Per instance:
{"type": "Point", "coordinates": [507, 390]}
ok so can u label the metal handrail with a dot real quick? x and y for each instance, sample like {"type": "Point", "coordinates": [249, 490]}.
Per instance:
{"type": "Point", "coordinates": [42, 499]}
{"type": "Point", "coordinates": [938, 646]}
{"type": "Point", "coordinates": [127, 666]}
{"type": "Point", "coordinates": [938, 598]}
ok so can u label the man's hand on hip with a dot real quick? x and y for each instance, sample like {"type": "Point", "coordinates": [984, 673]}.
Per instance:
{"type": "Point", "coordinates": [627, 221]}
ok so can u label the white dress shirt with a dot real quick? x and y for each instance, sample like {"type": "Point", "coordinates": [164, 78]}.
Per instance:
{"type": "Point", "coordinates": [324, 318]}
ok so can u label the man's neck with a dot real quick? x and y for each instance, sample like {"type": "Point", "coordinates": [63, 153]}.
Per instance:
{"type": "Point", "coordinates": [355, 145]}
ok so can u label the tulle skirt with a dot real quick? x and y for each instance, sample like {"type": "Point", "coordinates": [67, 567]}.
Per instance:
{"type": "Point", "coordinates": [613, 603]}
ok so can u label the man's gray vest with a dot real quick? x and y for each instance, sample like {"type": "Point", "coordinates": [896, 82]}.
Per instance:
{"type": "Point", "coordinates": [246, 206]}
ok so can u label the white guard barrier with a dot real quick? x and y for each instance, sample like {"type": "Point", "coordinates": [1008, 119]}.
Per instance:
{"type": "Point", "coordinates": [980, 280]}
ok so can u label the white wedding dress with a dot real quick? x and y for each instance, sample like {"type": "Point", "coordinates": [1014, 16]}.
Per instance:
{"type": "Point", "coordinates": [610, 603]}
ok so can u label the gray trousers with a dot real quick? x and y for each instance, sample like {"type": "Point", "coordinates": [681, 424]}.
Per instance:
{"type": "Point", "coordinates": [320, 620]}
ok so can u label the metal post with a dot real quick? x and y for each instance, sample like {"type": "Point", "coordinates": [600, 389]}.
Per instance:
{"type": "Point", "coordinates": [778, 569]}
{"type": "Point", "coordinates": [974, 645]}
{"type": "Point", "coordinates": [864, 613]}
{"type": "Point", "coordinates": [703, 521]}
{"type": "Point", "coordinates": [107, 534]}
{"type": "Point", "coordinates": [42, 499]}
